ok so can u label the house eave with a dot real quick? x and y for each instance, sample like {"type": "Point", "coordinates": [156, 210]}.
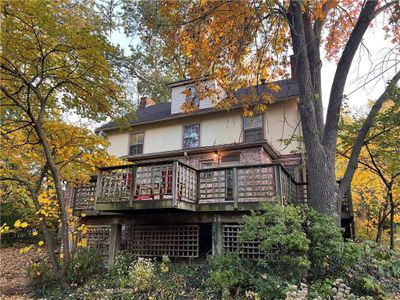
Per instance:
{"type": "Point", "coordinates": [185, 82]}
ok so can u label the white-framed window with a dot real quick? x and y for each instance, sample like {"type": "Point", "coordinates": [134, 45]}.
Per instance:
{"type": "Point", "coordinates": [206, 164]}
{"type": "Point", "coordinates": [191, 136]}
{"type": "Point", "coordinates": [192, 96]}
{"type": "Point", "coordinates": [253, 128]}
{"type": "Point", "coordinates": [136, 143]}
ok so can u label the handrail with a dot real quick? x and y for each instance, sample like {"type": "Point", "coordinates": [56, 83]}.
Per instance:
{"type": "Point", "coordinates": [145, 164]}
{"type": "Point", "coordinates": [115, 167]}
{"type": "Point", "coordinates": [186, 165]}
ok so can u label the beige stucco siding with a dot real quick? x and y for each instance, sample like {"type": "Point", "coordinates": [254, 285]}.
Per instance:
{"type": "Point", "coordinates": [222, 129]}
{"type": "Point", "coordinates": [215, 129]}
{"type": "Point", "coordinates": [282, 122]}
{"type": "Point", "coordinates": [119, 143]}
{"type": "Point", "coordinates": [160, 139]}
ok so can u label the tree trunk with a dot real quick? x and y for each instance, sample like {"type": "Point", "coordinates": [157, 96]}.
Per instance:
{"type": "Point", "coordinates": [392, 227]}
{"type": "Point", "coordinates": [50, 246]}
{"type": "Point", "coordinates": [48, 240]}
{"type": "Point", "coordinates": [378, 238]}
{"type": "Point", "coordinates": [57, 183]}
{"type": "Point", "coordinates": [323, 190]}
{"type": "Point", "coordinates": [322, 186]}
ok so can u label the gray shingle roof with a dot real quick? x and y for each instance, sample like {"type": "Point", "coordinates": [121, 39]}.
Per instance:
{"type": "Point", "coordinates": [162, 111]}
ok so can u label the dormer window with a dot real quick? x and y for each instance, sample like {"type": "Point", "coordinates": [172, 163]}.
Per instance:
{"type": "Point", "coordinates": [192, 98]}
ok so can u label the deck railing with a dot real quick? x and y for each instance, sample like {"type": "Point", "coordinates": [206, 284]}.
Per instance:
{"type": "Point", "coordinates": [140, 182]}
{"type": "Point", "coordinates": [85, 196]}
{"type": "Point", "coordinates": [254, 183]}
{"type": "Point", "coordinates": [180, 183]}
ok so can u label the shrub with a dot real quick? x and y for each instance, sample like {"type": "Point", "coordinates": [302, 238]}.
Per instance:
{"type": "Point", "coordinates": [141, 274]}
{"type": "Point", "coordinates": [83, 266]}
{"type": "Point", "coordinates": [299, 243]}
{"type": "Point", "coordinates": [228, 273]}
{"type": "Point", "coordinates": [280, 232]}
{"type": "Point", "coordinates": [267, 284]}
{"type": "Point", "coordinates": [40, 277]}
{"type": "Point", "coordinates": [118, 274]}
{"type": "Point", "coordinates": [377, 273]}
{"type": "Point", "coordinates": [329, 254]}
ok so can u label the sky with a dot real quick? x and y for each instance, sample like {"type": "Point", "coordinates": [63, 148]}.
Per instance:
{"type": "Point", "coordinates": [365, 80]}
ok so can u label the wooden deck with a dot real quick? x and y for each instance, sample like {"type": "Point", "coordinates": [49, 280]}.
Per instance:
{"type": "Point", "coordinates": [175, 185]}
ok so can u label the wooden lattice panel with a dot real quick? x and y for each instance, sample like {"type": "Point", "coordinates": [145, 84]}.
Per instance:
{"type": "Point", "coordinates": [99, 238]}
{"type": "Point", "coordinates": [85, 196]}
{"type": "Point", "coordinates": [247, 249]}
{"type": "Point", "coordinates": [154, 182]}
{"type": "Point", "coordinates": [256, 183]}
{"type": "Point", "coordinates": [215, 185]}
{"type": "Point", "coordinates": [301, 193]}
{"type": "Point", "coordinates": [186, 183]}
{"type": "Point", "coordinates": [172, 240]}
{"type": "Point", "coordinates": [115, 185]}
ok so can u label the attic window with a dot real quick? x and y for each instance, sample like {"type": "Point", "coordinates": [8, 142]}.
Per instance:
{"type": "Point", "coordinates": [253, 128]}
{"type": "Point", "coordinates": [136, 144]}
{"type": "Point", "coordinates": [192, 97]}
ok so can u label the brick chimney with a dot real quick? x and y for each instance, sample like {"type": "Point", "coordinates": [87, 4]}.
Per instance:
{"type": "Point", "coordinates": [146, 102]}
{"type": "Point", "coordinates": [293, 67]}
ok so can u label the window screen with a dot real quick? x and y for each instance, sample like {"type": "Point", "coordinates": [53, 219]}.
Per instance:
{"type": "Point", "coordinates": [191, 136]}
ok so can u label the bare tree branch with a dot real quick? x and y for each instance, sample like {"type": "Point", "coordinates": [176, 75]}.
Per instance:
{"type": "Point", "coordinates": [342, 70]}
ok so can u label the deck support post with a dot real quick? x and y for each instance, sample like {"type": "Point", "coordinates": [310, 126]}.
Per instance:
{"type": "Point", "coordinates": [97, 197]}
{"type": "Point", "coordinates": [115, 242]}
{"type": "Point", "coordinates": [235, 188]}
{"type": "Point", "coordinates": [217, 236]}
{"type": "Point", "coordinates": [278, 184]}
{"type": "Point", "coordinates": [175, 193]}
{"type": "Point", "coordinates": [133, 187]}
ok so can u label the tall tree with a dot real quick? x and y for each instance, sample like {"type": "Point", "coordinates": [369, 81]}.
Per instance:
{"type": "Point", "coordinates": [242, 43]}
{"type": "Point", "coordinates": [55, 57]}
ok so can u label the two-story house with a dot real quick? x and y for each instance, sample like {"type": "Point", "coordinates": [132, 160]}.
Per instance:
{"type": "Point", "coordinates": [194, 175]}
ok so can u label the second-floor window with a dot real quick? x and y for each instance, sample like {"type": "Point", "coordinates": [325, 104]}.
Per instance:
{"type": "Point", "coordinates": [191, 136]}
{"type": "Point", "coordinates": [136, 145]}
{"type": "Point", "coordinates": [253, 128]}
